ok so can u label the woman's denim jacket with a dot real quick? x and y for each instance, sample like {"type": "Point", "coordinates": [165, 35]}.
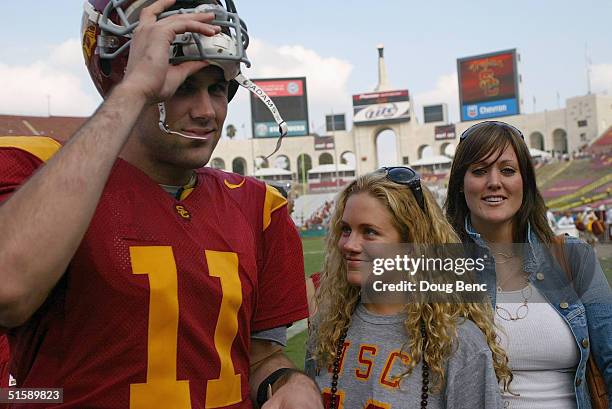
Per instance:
{"type": "Point", "coordinates": [585, 305]}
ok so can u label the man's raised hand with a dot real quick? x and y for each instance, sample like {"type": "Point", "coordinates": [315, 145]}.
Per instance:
{"type": "Point", "coordinates": [149, 71]}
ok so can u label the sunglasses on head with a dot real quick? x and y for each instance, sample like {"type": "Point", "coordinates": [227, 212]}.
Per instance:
{"type": "Point", "coordinates": [406, 176]}
{"type": "Point", "coordinates": [479, 125]}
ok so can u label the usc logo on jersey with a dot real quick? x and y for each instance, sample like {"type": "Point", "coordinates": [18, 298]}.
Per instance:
{"type": "Point", "coordinates": [184, 213]}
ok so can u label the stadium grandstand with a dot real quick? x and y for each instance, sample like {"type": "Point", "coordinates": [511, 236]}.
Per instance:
{"type": "Point", "coordinates": [583, 180]}
{"type": "Point", "coordinates": [56, 127]}
{"type": "Point", "coordinates": [602, 145]}
{"type": "Point", "coordinates": [571, 148]}
{"type": "Point", "coordinates": [568, 182]}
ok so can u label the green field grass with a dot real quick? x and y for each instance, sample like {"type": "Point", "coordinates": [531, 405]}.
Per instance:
{"type": "Point", "coordinates": [296, 347]}
{"type": "Point", "coordinates": [313, 254]}
{"type": "Point", "coordinates": [313, 260]}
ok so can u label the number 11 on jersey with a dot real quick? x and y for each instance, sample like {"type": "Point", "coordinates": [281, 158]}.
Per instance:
{"type": "Point", "coordinates": [162, 389]}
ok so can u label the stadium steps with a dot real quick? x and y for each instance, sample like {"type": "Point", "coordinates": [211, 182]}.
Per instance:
{"type": "Point", "coordinates": [549, 172]}
{"type": "Point", "coordinates": [580, 192]}
{"type": "Point", "coordinates": [580, 202]}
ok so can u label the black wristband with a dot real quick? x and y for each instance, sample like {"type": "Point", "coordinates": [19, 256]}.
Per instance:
{"type": "Point", "coordinates": [262, 391]}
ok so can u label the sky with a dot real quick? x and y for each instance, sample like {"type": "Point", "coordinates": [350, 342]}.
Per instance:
{"type": "Point", "coordinates": [333, 44]}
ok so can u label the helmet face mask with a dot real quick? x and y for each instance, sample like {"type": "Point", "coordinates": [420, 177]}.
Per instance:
{"type": "Point", "coordinates": [219, 50]}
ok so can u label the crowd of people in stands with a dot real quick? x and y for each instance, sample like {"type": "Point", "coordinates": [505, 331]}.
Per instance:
{"type": "Point", "coordinates": [592, 225]}
{"type": "Point", "coordinates": [582, 153]}
{"type": "Point", "coordinates": [320, 217]}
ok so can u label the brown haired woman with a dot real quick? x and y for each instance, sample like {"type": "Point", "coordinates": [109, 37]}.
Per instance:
{"type": "Point", "coordinates": [552, 314]}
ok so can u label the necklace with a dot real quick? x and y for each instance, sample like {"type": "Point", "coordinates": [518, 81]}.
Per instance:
{"type": "Point", "coordinates": [336, 369]}
{"type": "Point", "coordinates": [521, 311]}
{"type": "Point", "coordinates": [500, 284]}
{"type": "Point", "coordinates": [506, 257]}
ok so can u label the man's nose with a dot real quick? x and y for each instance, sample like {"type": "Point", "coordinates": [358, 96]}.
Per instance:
{"type": "Point", "coordinates": [202, 107]}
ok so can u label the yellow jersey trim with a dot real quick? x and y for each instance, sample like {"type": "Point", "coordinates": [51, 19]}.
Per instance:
{"type": "Point", "coordinates": [40, 146]}
{"type": "Point", "coordinates": [186, 193]}
{"type": "Point", "coordinates": [233, 186]}
{"type": "Point", "coordinates": [273, 201]}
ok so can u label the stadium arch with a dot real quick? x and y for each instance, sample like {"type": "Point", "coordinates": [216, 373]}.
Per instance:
{"type": "Point", "coordinates": [424, 151]}
{"type": "Point", "coordinates": [261, 162]}
{"type": "Point", "coordinates": [282, 162]}
{"type": "Point", "coordinates": [304, 164]}
{"type": "Point", "coordinates": [326, 159]}
{"type": "Point", "coordinates": [536, 140]}
{"type": "Point", "coordinates": [447, 149]}
{"type": "Point", "coordinates": [217, 163]}
{"type": "Point", "coordinates": [239, 166]}
{"type": "Point", "coordinates": [348, 158]}
{"type": "Point", "coordinates": [386, 144]}
{"type": "Point", "coordinates": [560, 140]}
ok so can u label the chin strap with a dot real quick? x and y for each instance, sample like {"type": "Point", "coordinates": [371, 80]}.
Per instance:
{"type": "Point", "coordinates": [283, 129]}
{"type": "Point", "coordinates": [164, 127]}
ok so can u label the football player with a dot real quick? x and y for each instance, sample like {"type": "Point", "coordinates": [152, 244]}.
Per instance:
{"type": "Point", "coordinates": [132, 277]}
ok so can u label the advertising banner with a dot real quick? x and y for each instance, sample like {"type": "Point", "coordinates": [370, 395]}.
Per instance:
{"type": "Point", "coordinates": [488, 85]}
{"type": "Point", "coordinates": [322, 143]}
{"type": "Point", "coordinates": [380, 107]}
{"type": "Point", "coordinates": [444, 132]}
{"type": "Point", "coordinates": [290, 97]}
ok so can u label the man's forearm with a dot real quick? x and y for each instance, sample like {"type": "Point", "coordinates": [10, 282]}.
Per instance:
{"type": "Point", "coordinates": [261, 370]}
{"type": "Point", "coordinates": [293, 389]}
{"type": "Point", "coordinates": [306, 391]}
{"type": "Point", "coordinates": [43, 222]}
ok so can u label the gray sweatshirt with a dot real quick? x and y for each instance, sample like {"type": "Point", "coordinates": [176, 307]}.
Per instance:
{"type": "Point", "coordinates": [373, 355]}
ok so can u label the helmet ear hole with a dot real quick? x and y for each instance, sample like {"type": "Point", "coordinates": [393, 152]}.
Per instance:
{"type": "Point", "coordinates": [177, 51]}
{"type": "Point", "coordinates": [105, 67]}
{"type": "Point", "coordinates": [233, 88]}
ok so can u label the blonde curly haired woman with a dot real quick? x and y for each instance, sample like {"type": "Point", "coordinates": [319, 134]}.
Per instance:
{"type": "Point", "coordinates": [370, 354]}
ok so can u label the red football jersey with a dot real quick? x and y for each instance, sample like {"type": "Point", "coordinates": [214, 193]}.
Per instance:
{"type": "Point", "coordinates": [158, 304]}
{"type": "Point", "coordinates": [4, 361]}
